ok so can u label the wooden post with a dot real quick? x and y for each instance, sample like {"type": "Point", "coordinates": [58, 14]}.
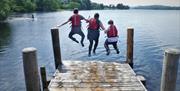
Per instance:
{"type": "Point", "coordinates": [56, 46]}
{"type": "Point", "coordinates": [43, 78]}
{"type": "Point", "coordinates": [170, 68]}
{"type": "Point", "coordinates": [31, 69]}
{"type": "Point", "coordinates": [130, 43]}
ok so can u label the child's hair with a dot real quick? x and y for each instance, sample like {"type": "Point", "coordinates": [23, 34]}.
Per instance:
{"type": "Point", "coordinates": [110, 22]}
{"type": "Point", "coordinates": [96, 15]}
{"type": "Point", "coordinates": [75, 10]}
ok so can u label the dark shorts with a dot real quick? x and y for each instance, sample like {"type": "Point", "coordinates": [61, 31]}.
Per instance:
{"type": "Point", "coordinates": [76, 30]}
{"type": "Point", "coordinates": [93, 34]}
{"type": "Point", "coordinates": [108, 43]}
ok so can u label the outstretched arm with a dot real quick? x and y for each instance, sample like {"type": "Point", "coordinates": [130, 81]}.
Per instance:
{"type": "Point", "coordinates": [82, 18]}
{"type": "Point", "coordinates": [102, 26]}
{"type": "Point", "coordinates": [63, 23]}
{"type": "Point", "coordinates": [86, 20]}
{"type": "Point", "coordinates": [105, 31]}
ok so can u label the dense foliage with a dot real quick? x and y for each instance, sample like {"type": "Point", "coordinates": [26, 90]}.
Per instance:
{"type": "Point", "coordinates": [23, 5]}
{"type": "Point", "coordinates": [121, 6]}
{"type": "Point", "coordinates": [47, 5]}
{"type": "Point", "coordinates": [5, 9]}
{"type": "Point", "coordinates": [8, 6]}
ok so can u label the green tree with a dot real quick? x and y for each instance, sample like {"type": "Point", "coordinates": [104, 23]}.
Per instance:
{"type": "Point", "coordinates": [40, 5]}
{"type": "Point", "coordinates": [94, 6]}
{"type": "Point", "coordinates": [121, 6]}
{"type": "Point", "coordinates": [88, 3]}
{"type": "Point", "coordinates": [85, 4]}
{"type": "Point", "coordinates": [29, 6]}
{"type": "Point", "coordinates": [111, 6]}
{"type": "Point", "coordinates": [73, 5]}
{"type": "Point", "coordinates": [78, 1]}
{"type": "Point", "coordinates": [5, 9]}
{"type": "Point", "coordinates": [97, 6]}
{"type": "Point", "coordinates": [24, 5]}
{"type": "Point", "coordinates": [47, 5]}
{"type": "Point", "coordinates": [101, 6]}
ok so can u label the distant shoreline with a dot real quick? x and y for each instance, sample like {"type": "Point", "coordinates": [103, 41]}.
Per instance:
{"type": "Point", "coordinates": [157, 7]}
{"type": "Point", "coordinates": [21, 15]}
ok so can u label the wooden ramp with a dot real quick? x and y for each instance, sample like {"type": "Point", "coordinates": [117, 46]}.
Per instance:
{"type": "Point", "coordinates": [95, 76]}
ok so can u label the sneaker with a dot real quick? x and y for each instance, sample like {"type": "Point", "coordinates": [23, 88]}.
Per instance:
{"type": "Point", "coordinates": [82, 44]}
{"type": "Point", "coordinates": [76, 41]}
{"type": "Point", "coordinates": [94, 52]}
{"type": "Point", "coordinates": [108, 52]}
{"type": "Point", "coordinates": [117, 51]}
{"type": "Point", "coordinates": [89, 55]}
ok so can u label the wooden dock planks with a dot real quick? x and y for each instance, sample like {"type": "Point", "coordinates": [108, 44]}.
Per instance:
{"type": "Point", "coordinates": [95, 76]}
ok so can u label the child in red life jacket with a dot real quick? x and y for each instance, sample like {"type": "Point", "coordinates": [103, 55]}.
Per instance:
{"type": "Point", "coordinates": [75, 20]}
{"type": "Point", "coordinates": [94, 32]}
{"type": "Point", "coordinates": [112, 34]}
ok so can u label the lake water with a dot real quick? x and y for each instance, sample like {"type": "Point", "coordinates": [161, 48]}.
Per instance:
{"type": "Point", "coordinates": [155, 30]}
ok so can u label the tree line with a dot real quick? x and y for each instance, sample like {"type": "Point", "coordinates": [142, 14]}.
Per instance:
{"type": "Point", "coordinates": [9, 6]}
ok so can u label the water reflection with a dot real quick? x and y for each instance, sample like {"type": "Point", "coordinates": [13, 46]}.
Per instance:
{"type": "Point", "coordinates": [5, 34]}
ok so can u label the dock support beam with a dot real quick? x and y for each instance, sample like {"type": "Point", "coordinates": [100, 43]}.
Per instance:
{"type": "Point", "coordinates": [130, 43]}
{"type": "Point", "coordinates": [170, 68]}
{"type": "Point", "coordinates": [44, 78]}
{"type": "Point", "coordinates": [31, 69]}
{"type": "Point", "coordinates": [56, 46]}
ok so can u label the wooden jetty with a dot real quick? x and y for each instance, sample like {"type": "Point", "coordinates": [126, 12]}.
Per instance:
{"type": "Point", "coordinates": [95, 76]}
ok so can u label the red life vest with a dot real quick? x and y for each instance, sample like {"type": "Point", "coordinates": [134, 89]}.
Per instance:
{"type": "Point", "coordinates": [93, 25]}
{"type": "Point", "coordinates": [75, 19]}
{"type": "Point", "coordinates": [112, 32]}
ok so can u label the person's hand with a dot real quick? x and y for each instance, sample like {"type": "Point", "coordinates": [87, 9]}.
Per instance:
{"type": "Point", "coordinates": [86, 20]}
{"type": "Point", "coordinates": [58, 26]}
{"type": "Point", "coordinates": [106, 30]}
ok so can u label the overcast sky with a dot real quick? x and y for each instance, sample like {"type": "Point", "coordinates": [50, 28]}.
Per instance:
{"type": "Point", "coordinates": [140, 2]}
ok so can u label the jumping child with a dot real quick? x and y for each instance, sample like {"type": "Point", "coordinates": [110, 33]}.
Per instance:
{"type": "Point", "coordinates": [75, 20]}
{"type": "Point", "coordinates": [94, 32]}
{"type": "Point", "coordinates": [112, 34]}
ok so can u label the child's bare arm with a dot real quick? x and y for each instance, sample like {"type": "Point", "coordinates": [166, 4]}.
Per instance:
{"type": "Point", "coordinates": [63, 24]}
{"type": "Point", "coordinates": [105, 31]}
{"type": "Point", "coordinates": [102, 26]}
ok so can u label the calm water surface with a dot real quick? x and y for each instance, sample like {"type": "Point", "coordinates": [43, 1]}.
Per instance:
{"type": "Point", "coordinates": [154, 32]}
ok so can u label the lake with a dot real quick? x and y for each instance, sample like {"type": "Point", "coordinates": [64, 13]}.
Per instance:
{"type": "Point", "coordinates": [154, 31]}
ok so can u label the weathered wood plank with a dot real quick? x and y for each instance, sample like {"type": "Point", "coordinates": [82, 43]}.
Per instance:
{"type": "Point", "coordinates": [95, 76]}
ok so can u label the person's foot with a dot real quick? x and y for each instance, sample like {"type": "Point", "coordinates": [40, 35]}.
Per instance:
{"type": "Point", "coordinates": [94, 52]}
{"type": "Point", "coordinates": [108, 52]}
{"type": "Point", "coordinates": [82, 44]}
{"type": "Point", "coordinates": [117, 51]}
{"type": "Point", "coordinates": [89, 55]}
{"type": "Point", "coordinates": [76, 41]}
